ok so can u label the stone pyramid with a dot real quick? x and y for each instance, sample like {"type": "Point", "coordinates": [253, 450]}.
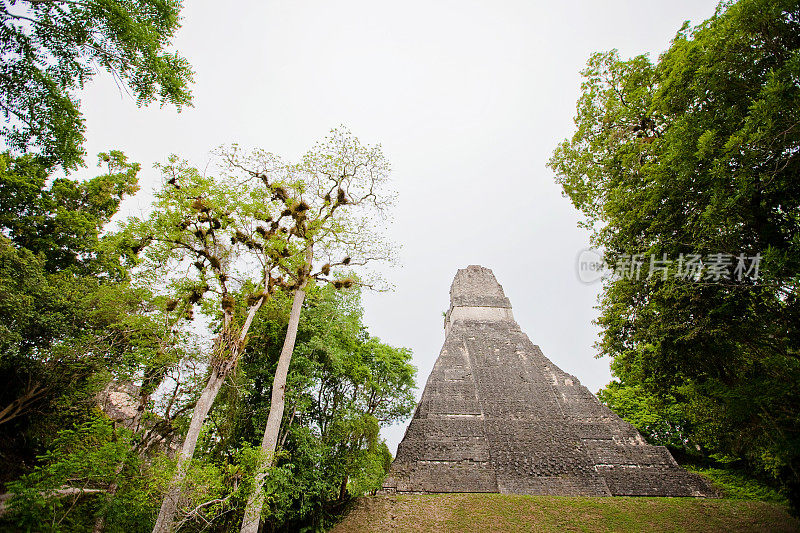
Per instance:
{"type": "Point", "coordinates": [497, 416]}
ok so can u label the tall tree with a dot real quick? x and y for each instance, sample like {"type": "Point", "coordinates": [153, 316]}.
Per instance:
{"type": "Point", "coordinates": [686, 171]}
{"type": "Point", "coordinates": [260, 227]}
{"type": "Point", "coordinates": [337, 197]}
{"type": "Point", "coordinates": [206, 240]}
{"type": "Point", "coordinates": [52, 48]}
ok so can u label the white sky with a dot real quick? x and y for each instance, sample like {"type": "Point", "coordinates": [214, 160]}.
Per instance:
{"type": "Point", "coordinates": [468, 99]}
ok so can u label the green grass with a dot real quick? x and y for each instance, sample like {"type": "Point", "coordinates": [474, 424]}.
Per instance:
{"type": "Point", "coordinates": [488, 513]}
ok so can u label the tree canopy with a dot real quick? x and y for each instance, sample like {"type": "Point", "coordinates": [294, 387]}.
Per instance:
{"type": "Point", "coordinates": [50, 49]}
{"type": "Point", "coordinates": [696, 156]}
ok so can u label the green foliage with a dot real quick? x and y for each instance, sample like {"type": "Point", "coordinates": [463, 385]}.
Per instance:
{"type": "Point", "coordinates": [70, 321]}
{"type": "Point", "coordinates": [661, 419]}
{"type": "Point", "coordinates": [51, 49]}
{"type": "Point", "coordinates": [201, 238]}
{"type": "Point", "coordinates": [94, 472]}
{"type": "Point", "coordinates": [698, 154]}
{"type": "Point", "coordinates": [73, 478]}
{"type": "Point", "coordinates": [54, 309]}
{"type": "Point", "coordinates": [343, 385]}
{"type": "Point", "coordinates": [63, 220]}
{"type": "Point", "coordinates": [737, 485]}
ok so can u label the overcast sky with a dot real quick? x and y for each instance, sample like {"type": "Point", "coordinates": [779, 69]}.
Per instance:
{"type": "Point", "coordinates": [468, 100]}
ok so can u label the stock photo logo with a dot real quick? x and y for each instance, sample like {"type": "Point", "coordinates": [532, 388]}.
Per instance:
{"type": "Point", "coordinates": [592, 266]}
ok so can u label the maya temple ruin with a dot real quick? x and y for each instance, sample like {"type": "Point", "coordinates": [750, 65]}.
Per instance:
{"type": "Point", "coordinates": [497, 415]}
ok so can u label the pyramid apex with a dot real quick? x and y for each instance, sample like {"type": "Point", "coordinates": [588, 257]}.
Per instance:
{"type": "Point", "coordinates": [476, 286]}
{"type": "Point", "coordinates": [476, 295]}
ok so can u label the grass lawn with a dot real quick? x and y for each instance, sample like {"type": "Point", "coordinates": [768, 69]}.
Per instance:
{"type": "Point", "coordinates": [489, 513]}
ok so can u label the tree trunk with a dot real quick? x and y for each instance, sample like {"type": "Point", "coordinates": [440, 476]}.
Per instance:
{"type": "Point", "coordinates": [21, 405]}
{"type": "Point", "coordinates": [169, 506]}
{"type": "Point", "coordinates": [252, 513]}
{"type": "Point", "coordinates": [63, 492]}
